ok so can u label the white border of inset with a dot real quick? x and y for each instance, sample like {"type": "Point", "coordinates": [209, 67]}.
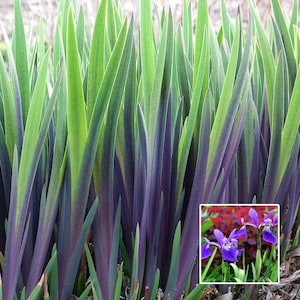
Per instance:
{"type": "Point", "coordinates": [278, 238]}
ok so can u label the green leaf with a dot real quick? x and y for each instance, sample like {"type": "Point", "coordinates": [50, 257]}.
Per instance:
{"type": "Point", "coordinates": [80, 33]}
{"type": "Point", "coordinates": [94, 279]}
{"type": "Point", "coordinates": [295, 243]}
{"type": "Point", "coordinates": [267, 56]}
{"type": "Point", "coordinates": [155, 289]}
{"type": "Point", "coordinates": [226, 23]}
{"type": "Point", "coordinates": [294, 19]}
{"type": "Point", "coordinates": [201, 33]}
{"type": "Point", "coordinates": [224, 102]}
{"type": "Point", "coordinates": [278, 119]}
{"type": "Point", "coordinates": [196, 293]}
{"type": "Point", "coordinates": [76, 117]}
{"type": "Point", "coordinates": [10, 117]}
{"type": "Point", "coordinates": [190, 122]}
{"type": "Point", "coordinates": [290, 130]}
{"type": "Point", "coordinates": [53, 275]}
{"type": "Point", "coordinates": [31, 134]}
{"type": "Point", "coordinates": [135, 266]}
{"type": "Point", "coordinates": [206, 225]}
{"type": "Point", "coordinates": [230, 98]}
{"type": "Point", "coordinates": [85, 294]}
{"type": "Point", "coordinates": [113, 279]}
{"type": "Point", "coordinates": [174, 264]}
{"type": "Point", "coordinates": [217, 70]}
{"type": "Point", "coordinates": [37, 290]}
{"type": "Point", "coordinates": [107, 151]}
{"type": "Point", "coordinates": [188, 29]}
{"type": "Point", "coordinates": [111, 24]}
{"type": "Point", "coordinates": [159, 80]}
{"type": "Point", "coordinates": [41, 42]}
{"type": "Point", "coordinates": [21, 58]}
{"type": "Point", "coordinates": [147, 53]}
{"type": "Point", "coordinates": [258, 265]}
{"type": "Point", "coordinates": [97, 58]}
{"type": "Point", "coordinates": [76, 251]}
{"type": "Point", "coordinates": [279, 17]}
{"type": "Point", "coordinates": [238, 273]}
{"type": "Point", "coordinates": [118, 288]}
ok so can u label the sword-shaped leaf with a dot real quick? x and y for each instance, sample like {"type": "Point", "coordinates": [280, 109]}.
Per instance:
{"type": "Point", "coordinates": [268, 59]}
{"type": "Point", "coordinates": [280, 21]}
{"type": "Point", "coordinates": [21, 58]}
{"type": "Point", "coordinates": [76, 117]}
{"type": "Point", "coordinates": [147, 55]}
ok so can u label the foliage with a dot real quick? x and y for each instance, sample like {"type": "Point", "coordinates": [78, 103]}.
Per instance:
{"type": "Point", "coordinates": [110, 140]}
{"type": "Point", "coordinates": [247, 240]}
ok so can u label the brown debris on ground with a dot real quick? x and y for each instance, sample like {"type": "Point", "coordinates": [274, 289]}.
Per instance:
{"type": "Point", "coordinates": [289, 286]}
{"type": "Point", "coordinates": [33, 10]}
{"type": "Point", "coordinates": [287, 289]}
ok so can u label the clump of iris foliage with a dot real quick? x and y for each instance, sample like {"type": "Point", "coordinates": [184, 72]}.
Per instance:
{"type": "Point", "coordinates": [111, 138]}
{"type": "Point", "coordinates": [245, 250]}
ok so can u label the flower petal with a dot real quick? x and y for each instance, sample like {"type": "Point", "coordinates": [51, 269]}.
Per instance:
{"type": "Point", "coordinates": [254, 216]}
{"type": "Point", "coordinates": [232, 234]}
{"type": "Point", "coordinates": [248, 223]}
{"type": "Point", "coordinates": [269, 237]}
{"type": "Point", "coordinates": [219, 236]}
{"type": "Point", "coordinates": [240, 233]}
{"type": "Point", "coordinates": [205, 251]}
{"type": "Point", "coordinates": [269, 214]}
{"type": "Point", "coordinates": [230, 254]}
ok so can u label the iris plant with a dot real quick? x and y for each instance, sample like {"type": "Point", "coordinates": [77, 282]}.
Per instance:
{"type": "Point", "coordinates": [115, 139]}
{"type": "Point", "coordinates": [265, 226]}
{"type": "Point", "coordinates": [228, 246]}
{"type": "Point", "coordinates": [231, 269]}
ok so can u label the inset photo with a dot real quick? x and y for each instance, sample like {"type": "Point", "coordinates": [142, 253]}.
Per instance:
{"type": "Point", "coordinates": [239, 243]}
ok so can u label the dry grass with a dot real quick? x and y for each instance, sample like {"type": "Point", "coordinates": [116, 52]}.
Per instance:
{"type": "Point", "coordinates": [33, 10]}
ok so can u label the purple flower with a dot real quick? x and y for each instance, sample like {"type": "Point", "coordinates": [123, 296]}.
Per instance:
{"type": "Point", "coordinates": [267, 224]}
{"type": "Point", "coordinates": [228, 246]}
